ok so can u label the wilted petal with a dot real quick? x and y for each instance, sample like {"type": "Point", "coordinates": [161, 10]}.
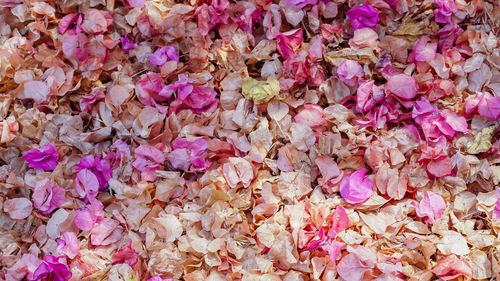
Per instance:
{"type": "Point", "coordinates": [355, 188]}
{"type": "Point", "coordinates": [431, 207]}
{"type": "Point", "coordinates": [44, 158]}
{"type": "Point", "coordinates": [18, 208]}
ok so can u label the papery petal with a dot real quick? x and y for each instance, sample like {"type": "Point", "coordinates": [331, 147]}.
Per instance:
{"type": "Point", "coordinates": [105, 232]}
{"type": "Point", "coordinates": [402, 85]}
{"type": "Point", "coordinates": [96, 21]}
{"type": "Point", "coordinates": [363, 16]}
{"type": "Point", "coordinates": [44, 158]}
{"type": "Point", "coordinates": [451, 267]}
{"type": "Point", "coordinates": [47, 196]}
{"type": "Point", "coordinates": [311, 115]}
{"type": "Point", "coordinates": [349, 72]}
{"type": "Point", "coordinates": [18, 208]}
{"type": "Point", "coordinates": [423, 50]}
{"type": "Point", "coordinates": [355, 188]}
{"type": "Point", "coordinates": [126, 255]}
{"type": "Point", "coordinates": [86, 184]}
{"type": "Point", "coordinates": [69, 245]}
{"type": "Point", "coordinates": [431, 207]}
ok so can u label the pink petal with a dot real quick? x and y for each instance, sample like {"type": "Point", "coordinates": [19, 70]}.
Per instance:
{"type": "Point", "coordinates": [105, 232]}
{"type": "Point", "coordinates": [66, 21]}
{"type": "Point", "coordinates": [44, 158]}
{"type": "Point", "coordinates": [301, 3]}
{"type": "Point", "coordinates": [355, 188]}
{"type": "Point", "coordinates": [402, 85]}
{"type": "Point", "coordinates": [311, 115]}
{"type": "Point", "coordinates": [47, 196]}
{"type": "Point", "coordinates": [86, 184]}
{"type": "Point", "coordinates": [349, 72]}
{"type": "Point", "coordinates": [327, 167]}
{"type": "Point", "coordinates": [451, 267]}
{"type": "Point", "coordinates": [340, 222]}
{"type": "Point", "coordinates": [136, 3]}
{"type": "Point", "coordinates": [458, 123]}
{"type": "Point", "coordinates": [363, 16]}
{"type": "Point", "coordinates": [496, 211]}
{"type": "Point", "coordinates": [18, 208]}
{"type": "Point", "coordinates": [126, 255]}
{"type": "Point", "coordinates": [69, 245]}
{"type": "Point", "coordinates": [96, 21]}
{"type": "Point", "coordinates": [440, 167]}
{"type": "Point", "coordinates": [38, 91]}
{"type": "Point", "coordinates": [288, 41]}
{"type": "Point", "coordinates": [333, 248]}
{"type": "Point", "coordinates": [432, 207]}
{"type": "Point", "coordinates": [423, 50]}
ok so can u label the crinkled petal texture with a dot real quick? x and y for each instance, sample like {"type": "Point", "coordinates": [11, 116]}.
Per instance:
{"type": "Point", "coordinates": [452, 267]}
{"type": "Point", "coordinates": [350, 72]}
{"type": "Point", "coordinates": [301, 3]}
{"type": "Point", "coordinates": [353, 266]}
{"type": "Point", "coordinates": [86, 219]}
{"type": "Point", "coordinates": [47, 196]}
{"type": "Point", "coordinates": [96, 21]}
{"type": "Point", "coordinates": [188, 154]}
{"type": "Point", "coordinates": [485, 103]}
{"type": "Point", "coordinates": [18, 208]}
{"type": "Point", "coordinates": [86, 184]}
{"type": "Point", "coordinates": [496, 210]}
{"type": "Point", "coordinates": [424, 50]}
{"type": "Point", "coordinates": [69, 245]}
{"type": "Point", "coordinates": [53, 268]}
{"type": "Point", "coordinates": [431, 207]}
{"type": "Point", "coordinates": [356, 188]}
{"type": "Point", "coordinates": [312, 116]}
{"type": "Point", "coordinates": [402, 85]}
{"type": "Point", "coordinates": [44, 158]}
{"type": "Point", "coordinates": [158, 278]}
{"type": "Point", "coordinates": [288, 41]}
{"type": "Point", "coordinates": [162, 55]}
{"type": "Point", "coordinates": [148, 160]}
{"type": "Point", "coordinates": [24, 267]}
{"type": "Point", "coordinates": [363, 16]}
{"type": "Point", "coordinates": [126, 255]}
{"type": "Point", "coordinates": [106, 232]}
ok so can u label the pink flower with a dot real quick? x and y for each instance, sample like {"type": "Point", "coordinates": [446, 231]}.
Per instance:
{"type": "Point", "coordinates": [44, 158]}
{"type": "Point", "coordinates": [402, 85]}
{"type": "Point", "coordinates": [431, 207]}
{"type": "Point", "coordinates": [68, 246]}
{"type": "Point", "coordinates": [288, 41]}
{"type": "Point", "coordinates": [424, 50]}
{"type": "Point", "coordinates": [368, 95]}
{"type": "Point", "coordinates": [188, 154]}
{"type": "Point", "coordinates": [451, 267]}
{"type": "Point", "coordinates": [162, 55]}
{"type": "Point", "coordinates": [87, 102]}
{"type": "Point", "coordinates": [126, 255]}
{"type": "Point", "coordinates": [86, 219]}
{"type": "Point", "coordinates": [148, 89]}
{"type": "Point", "coordinates": [47, 196]}
{"type": "Point", "coordinates": [52, 268]}
{"type": "Point", "coordinates": [148, 159]}
{"type": "Point", "coordinates": [350, 72]}
{"type": "Point", "coordinates": [363, 16]}
{"type": "Point", "coordinates": [127, 44]}
{"type": "Point", "coordinates": [485, 103]}
{"type": "Point", "coordinates": [301, 3]}
{"type": "Point", "coordinates": [106, 232]}
{"type": "Point", "coordinates": [355, 188]}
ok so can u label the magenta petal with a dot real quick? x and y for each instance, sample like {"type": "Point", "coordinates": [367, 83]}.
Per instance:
{"type": "Point", "coordinates": [52, 268]}
{"type": "Point", "coordinates": [162, 55]}
{"type": "Point", "coordinates": [44, 158]}
{"type": "Point", "coordinates": [363, 16]}
{"type": "Point", "coordinates": [179, 158]}
{"type": "Point", "coordinates": [66, 22]}
{"type": "Point", "coordinates": [458, 123]}
{"type": "Point", "coordinates": [355, 189]}
{"type": "Point", "coordinates": [333, 248]}
{"type": "Point", "coordinates": [496, 211]}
